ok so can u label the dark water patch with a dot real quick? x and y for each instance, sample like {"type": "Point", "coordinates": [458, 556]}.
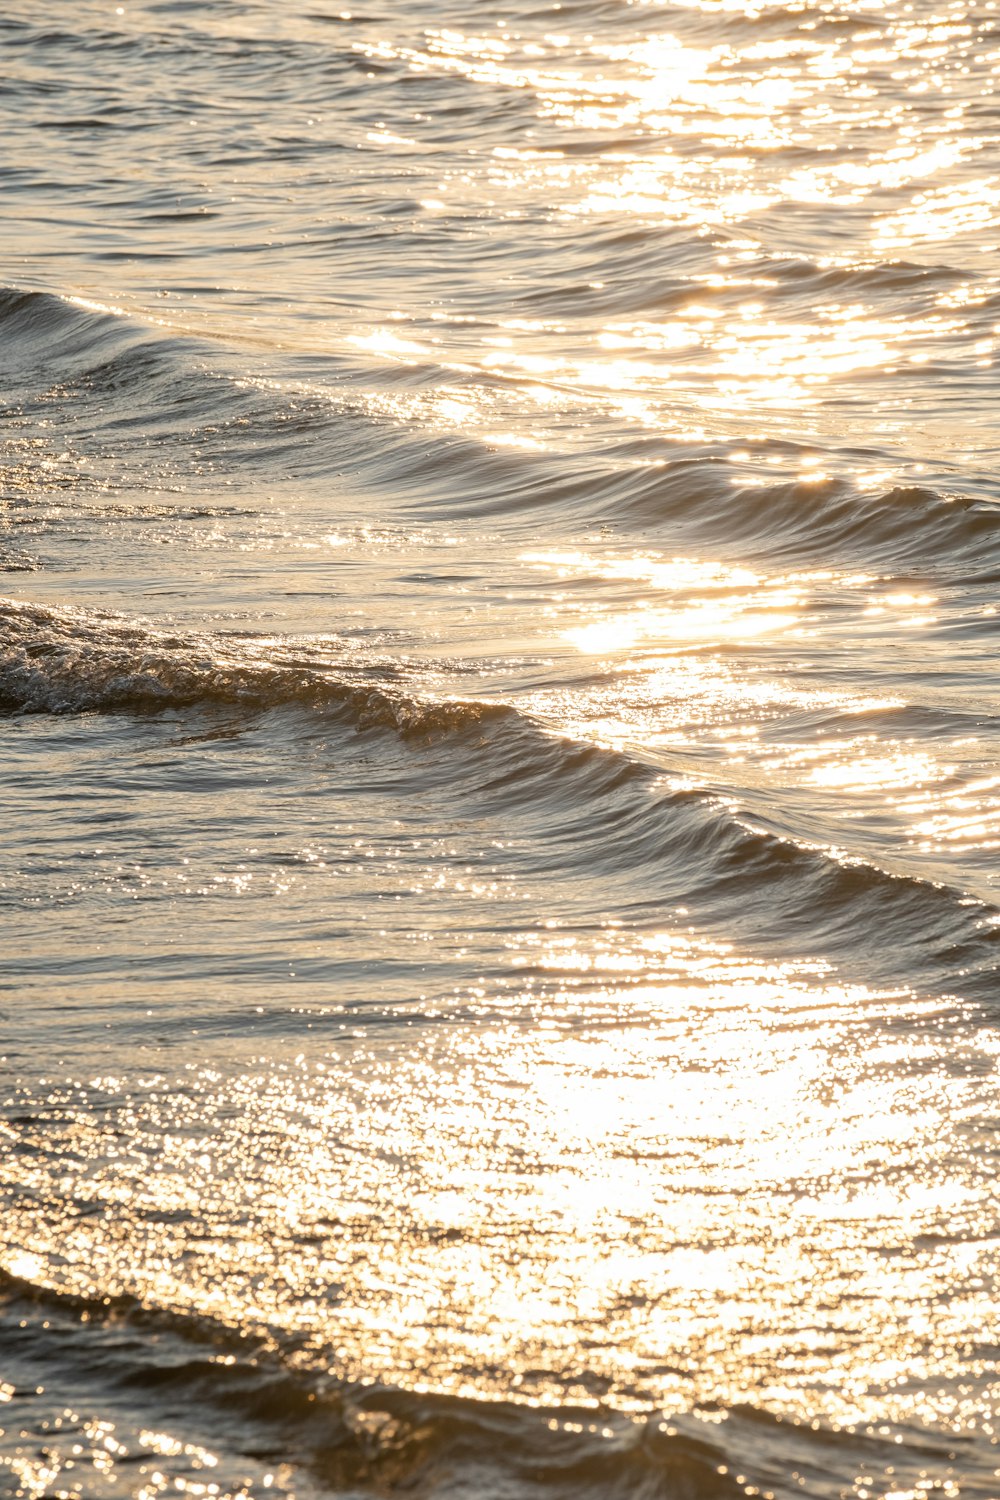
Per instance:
{"type": "Point", "coordinates": [90, 122]}
{"type": "Point", "coordinates": [94, 39]}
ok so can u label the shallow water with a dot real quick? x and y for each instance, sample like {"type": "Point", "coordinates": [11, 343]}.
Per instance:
{"type": "Point", "coordinates": [500, 716]}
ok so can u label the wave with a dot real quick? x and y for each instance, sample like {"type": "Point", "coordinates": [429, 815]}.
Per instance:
{"type": "Point", "coordinates": [266, 1399]}
{"type": "Point", "coordinates": [150, 392]}
{"type": "Point", "coordinates": [642, 271]}
{"type": "Point", "coordinates": [350, 1435]}
{"type": "Point", "coordinates": [39, 323]}
{"type": "Point", "coordinates": [707, 500]}
{"type": "Point", "coordinates": [80, 349]}
{"type": "Point", "coordinates": [74, 661]}
{"type": "Point", "coordinates": [609, 814]}
{"type": "Point", "coordinates": [263, 1398]}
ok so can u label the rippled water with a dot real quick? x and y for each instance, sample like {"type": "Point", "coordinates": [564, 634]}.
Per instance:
{"type": "Point", "coordinates": [499, 703]}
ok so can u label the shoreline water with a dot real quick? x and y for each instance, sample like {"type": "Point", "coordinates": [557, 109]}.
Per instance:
{"type": "Point", "coordinates": [500, 731]}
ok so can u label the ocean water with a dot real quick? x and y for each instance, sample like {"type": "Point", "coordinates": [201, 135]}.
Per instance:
{"type": "Point", "coordinates": [499, 707]}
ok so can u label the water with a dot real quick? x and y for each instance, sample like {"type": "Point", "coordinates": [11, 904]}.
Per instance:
{"type": "Point", "coordinates": [500, 719]}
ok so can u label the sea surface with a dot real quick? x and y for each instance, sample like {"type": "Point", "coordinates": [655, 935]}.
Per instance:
{"type": "Point", "coordinates": [500, 743]}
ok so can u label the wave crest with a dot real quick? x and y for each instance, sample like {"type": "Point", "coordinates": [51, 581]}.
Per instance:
{"type": "Point", "coordinates": [74, 661]}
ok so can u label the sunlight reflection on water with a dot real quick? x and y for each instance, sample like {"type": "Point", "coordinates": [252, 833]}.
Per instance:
{"type": "Point", "coordinates": [509, 768]}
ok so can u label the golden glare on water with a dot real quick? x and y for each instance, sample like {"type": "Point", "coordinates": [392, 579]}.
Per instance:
{"type": "Point", "coordinates": [741, 604]}
{"type": "Point", "coordinates": [661, 1148]}
{"type": "Point", "coordinates": [727, 112]}
{"type": "Point", "coordinates": [734, 359]}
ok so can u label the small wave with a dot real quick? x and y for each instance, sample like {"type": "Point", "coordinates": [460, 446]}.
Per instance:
{"type": "Point", "coordinates": [709, 500]}
{"type": "Point", "coordinates": [643, 272]}
{"type": "Point", "coordinates": [270, 1402]}
{"type": "Point", "coordinates": [96, 351]}
{"type": "Point", "coordinates": [35, 323]}
{"type": "Point", "coordinates": [144, 385]}
{"type": "Point", "coordinates": [590, 807]}
{"type": "Point", "coordinates": [143, 390]}
{"type": "Point", "coordinates": [74, 661]}
{"type": "Point", "coordinates": [263, 1397]}
{"type": "Point", "coordinates": [900, 527]}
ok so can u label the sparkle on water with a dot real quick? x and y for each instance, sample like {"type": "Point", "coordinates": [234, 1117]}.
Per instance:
{"type": "Point", "coordinates": [630, 1166]}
